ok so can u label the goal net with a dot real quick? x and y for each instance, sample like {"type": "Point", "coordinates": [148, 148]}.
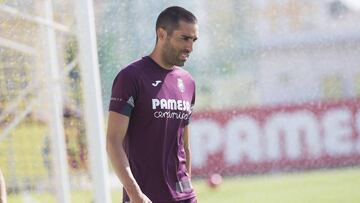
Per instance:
{"type": "Point", "coordinates": [43, 136]}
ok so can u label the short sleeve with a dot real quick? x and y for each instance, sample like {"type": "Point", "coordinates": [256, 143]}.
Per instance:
{"type": "Point", "coordinates": [123, 94]}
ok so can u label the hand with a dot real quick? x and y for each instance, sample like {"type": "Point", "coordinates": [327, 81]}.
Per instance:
{"type": "Point", "coordinates": [140, 198]}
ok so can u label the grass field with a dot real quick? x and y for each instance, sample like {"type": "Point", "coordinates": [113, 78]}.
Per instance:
{"type": "Point", "coordinates": [326, 186]}
{"type": "Point", "coordinates": [312, 187]}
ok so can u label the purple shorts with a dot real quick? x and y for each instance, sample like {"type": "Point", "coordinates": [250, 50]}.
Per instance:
{"type": "Point", "coordinates": [191, 200]}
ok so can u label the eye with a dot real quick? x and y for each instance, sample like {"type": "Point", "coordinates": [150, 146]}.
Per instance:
{"type": "Point", "coordinates": [186, 38]}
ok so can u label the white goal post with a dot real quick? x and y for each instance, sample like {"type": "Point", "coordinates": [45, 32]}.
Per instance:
{"type": "Point", "coordinates": [94, 117]}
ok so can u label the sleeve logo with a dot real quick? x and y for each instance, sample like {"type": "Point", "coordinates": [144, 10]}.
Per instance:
{"type": "Point", "coordinates": [131, 101]}
{"type": "Point", "coordinates": [181, 85]}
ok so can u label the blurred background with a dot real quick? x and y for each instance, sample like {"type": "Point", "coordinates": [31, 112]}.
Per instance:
{"type": "Point", "coordinates": [277, 114]}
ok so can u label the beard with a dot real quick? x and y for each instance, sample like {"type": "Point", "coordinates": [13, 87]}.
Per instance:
{"type": "Point", "coordinates": [171, 55]}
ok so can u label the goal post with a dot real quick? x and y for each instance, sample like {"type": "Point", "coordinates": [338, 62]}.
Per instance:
{"type": "Point", "coordinates": [56, 123]}
{"type": "Point", "coordinates": [94, 117]}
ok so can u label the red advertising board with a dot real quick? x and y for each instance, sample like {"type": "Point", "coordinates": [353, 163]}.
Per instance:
{"type": "Point", "coordinates": [276, 138]}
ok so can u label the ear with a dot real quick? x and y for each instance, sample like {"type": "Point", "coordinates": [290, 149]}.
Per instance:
{"type": "Point", "coordinates": [161, 33]}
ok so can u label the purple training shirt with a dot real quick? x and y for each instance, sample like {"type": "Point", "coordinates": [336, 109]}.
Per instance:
{"type": "Point", "coordinates": [159, 103]}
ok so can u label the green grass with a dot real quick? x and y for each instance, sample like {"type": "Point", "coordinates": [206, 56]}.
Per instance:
{"type": "Point", "coordinates": [328, 186]}
{"type": "Point", "coordinates": [332, 186]}
{"type": "Point", "coordinates": [25, 146]}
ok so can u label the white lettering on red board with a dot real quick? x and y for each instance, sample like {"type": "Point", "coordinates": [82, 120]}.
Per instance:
{"type": "Point", "coordinates": [283, 135]}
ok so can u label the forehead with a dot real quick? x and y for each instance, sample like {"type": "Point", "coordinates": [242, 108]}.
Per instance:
{"type": "Point", "coordinates": [185, 28]}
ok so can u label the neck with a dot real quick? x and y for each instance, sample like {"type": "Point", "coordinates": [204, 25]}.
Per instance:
{"type": "Point", "coordinates": [158, 58]}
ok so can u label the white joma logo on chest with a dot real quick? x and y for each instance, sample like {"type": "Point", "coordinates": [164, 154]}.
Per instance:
{"type": "Point", "coordinates": [156, 83]}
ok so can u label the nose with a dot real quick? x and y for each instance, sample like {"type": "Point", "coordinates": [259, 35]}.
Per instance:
{"type": "Point", "coordinates": [189, 46]}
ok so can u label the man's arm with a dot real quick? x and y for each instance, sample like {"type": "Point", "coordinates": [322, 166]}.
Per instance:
{"type": "Point", "coordinates": [3, 198]}
{"type": "Point", "coordinates": [117, 127]}
{"type": "Point", "coordinates": [187, 149]}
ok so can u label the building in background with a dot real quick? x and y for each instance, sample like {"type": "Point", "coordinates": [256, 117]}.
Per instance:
{"type": "Point", "coordinates": [307, 51]}
{"type": "Point", "coordinates": [279, 52]}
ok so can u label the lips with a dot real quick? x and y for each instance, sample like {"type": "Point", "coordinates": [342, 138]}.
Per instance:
{"type": "Point", "coordinates": [184, 56]}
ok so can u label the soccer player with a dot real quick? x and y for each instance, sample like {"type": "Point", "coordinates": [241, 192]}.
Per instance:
{"type": "Point", "coordinates": [3, 198]}
{"type": "Point", "coordinates": [149, 111]}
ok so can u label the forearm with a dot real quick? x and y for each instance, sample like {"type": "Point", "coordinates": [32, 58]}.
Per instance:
{"type": "Point", "coordinates": [188, 160]}
{"type": "Point", "coordinates": [121, 166]}
{"type": "Point", "coordinates": [187, 149]}
{"type": "Point", "coordinates": [3, 198]}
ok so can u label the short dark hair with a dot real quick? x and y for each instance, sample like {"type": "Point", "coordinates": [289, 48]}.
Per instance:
{"type": "Point", "coordinates": [169, 18]}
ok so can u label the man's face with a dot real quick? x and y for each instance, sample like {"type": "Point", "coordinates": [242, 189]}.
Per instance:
{"type": "Point", "coordinates": [178, 46]}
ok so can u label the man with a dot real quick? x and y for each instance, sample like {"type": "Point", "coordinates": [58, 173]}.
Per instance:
{"type": "Point", "coordinates": [150, 107]}
{"type": "Point", "coordinates": [3, 196]}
